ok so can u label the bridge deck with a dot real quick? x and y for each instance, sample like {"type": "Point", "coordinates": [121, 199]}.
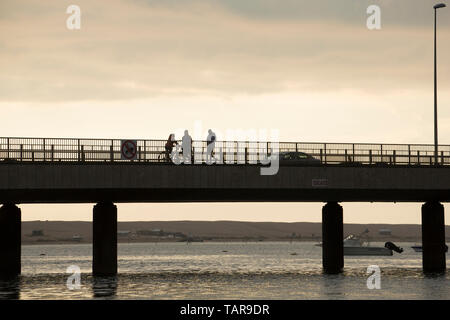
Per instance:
{"type": "Point", "coordinates": [127, 182]}
{"type": "Point", "coordinates": [93, 170]}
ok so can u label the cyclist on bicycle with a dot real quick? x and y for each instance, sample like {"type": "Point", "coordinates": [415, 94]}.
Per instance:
{"type": "Point", "coordinates": [171, 142]}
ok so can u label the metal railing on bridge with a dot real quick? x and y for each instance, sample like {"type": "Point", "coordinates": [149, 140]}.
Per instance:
{"type": "Point", "coordinates": [232, 152]}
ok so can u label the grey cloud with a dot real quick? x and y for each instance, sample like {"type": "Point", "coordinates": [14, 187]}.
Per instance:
{"type": "Point", "coordinates": [127, 52]}
{"type": "Point", "coordinates": [394, 12]}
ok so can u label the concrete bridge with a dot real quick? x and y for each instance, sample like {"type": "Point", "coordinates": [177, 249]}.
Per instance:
{"type": "Point", "coordinates": [96, 171]}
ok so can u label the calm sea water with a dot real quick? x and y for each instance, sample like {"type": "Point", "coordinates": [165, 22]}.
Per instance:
{"type": "Point", "coordinates": [213, 270]}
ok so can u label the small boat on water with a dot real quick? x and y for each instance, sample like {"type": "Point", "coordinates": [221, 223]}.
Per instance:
{"type": "Point", "coordinates": [355, 246]}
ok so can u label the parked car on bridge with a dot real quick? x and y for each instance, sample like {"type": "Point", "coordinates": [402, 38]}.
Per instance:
{"type": "Point", "coordinates": [297, 158]}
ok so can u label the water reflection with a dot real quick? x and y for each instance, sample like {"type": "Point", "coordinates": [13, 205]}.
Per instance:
{"type": "Point", "coordinates": [432, 283]}
{"type": "Point", "coordinates": [10, 288]}
{"type": "Point", "coordinates": [332, 286]}
{"type": "Point", "coordinates": [203, 271]}
{"type": "Point", "coordinates": [104, 287]}
{"type": "Point", "coordinates": [435, 275]}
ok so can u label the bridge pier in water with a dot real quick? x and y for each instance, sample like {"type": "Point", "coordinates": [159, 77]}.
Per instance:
{"type": "Point", "coordinates": [433, 237]}
{"type": "Point", "coordinates": [104, 239]}
{"type": "Point", "coordinates": [332, 236]}
{"type": "Point", "coordinates": [10, 240]}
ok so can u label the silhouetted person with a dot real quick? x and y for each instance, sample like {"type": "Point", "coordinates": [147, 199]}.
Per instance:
{"type": "Point", "coordinates": [171, 142]}
{"type": "Point", "coordinates": [186, 144]}
{"type": "Point", "coordinates": [210, 143]}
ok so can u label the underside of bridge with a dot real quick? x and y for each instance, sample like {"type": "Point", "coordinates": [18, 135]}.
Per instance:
{"type": "Point", "coordinates": [170, 195]}
{"type": "Point", "coordinates": [105, 239]}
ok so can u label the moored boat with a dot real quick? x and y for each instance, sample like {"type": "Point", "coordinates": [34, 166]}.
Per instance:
{"type": "Point", "coordinates": [356, 246]}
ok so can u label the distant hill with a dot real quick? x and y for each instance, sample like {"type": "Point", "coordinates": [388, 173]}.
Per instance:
{"type": "Point", "coordinates": [63, 231]}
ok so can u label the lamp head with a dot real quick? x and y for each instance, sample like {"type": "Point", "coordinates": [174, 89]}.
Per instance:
{"type": "Point", "coordinates": [439, 5]}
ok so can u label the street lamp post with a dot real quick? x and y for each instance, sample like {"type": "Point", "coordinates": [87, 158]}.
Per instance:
{"type": "Point", "coordinates": [440, 5]}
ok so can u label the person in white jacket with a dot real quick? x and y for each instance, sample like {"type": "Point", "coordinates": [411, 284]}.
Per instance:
{"type": "Point", "coordinates": [186, 144]}
{"type": "Point", "coordinates": [210, 143]}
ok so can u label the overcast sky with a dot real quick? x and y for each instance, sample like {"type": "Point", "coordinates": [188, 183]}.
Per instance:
{"type": "Point", "coordinates": [142, 69]}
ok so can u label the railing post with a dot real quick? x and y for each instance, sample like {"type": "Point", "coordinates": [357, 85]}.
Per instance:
{"type": "Point", "coordinates": [111, 151]}
{"type": "Point", "coordinates": [325, 152]}
{"type": "Point", "coordinates": [381, 153]}
{"type": "Point", "coordinates": [409, 154]}
{"type": "Point", "coordinates": [82, 153]}
{"type": "Point", "coordinates": [32, 156]}
{"type": "Point", "coordinates": [370, 156]}
{"type": "Point", "coordinates": [203, 154]}
{"type": "Point", "coordinates": [346, 156]}
{"type": "Point", "coordinates": [7, 142]}
{"type": "Point", "coordinates": [43, 144]}
{"type": "Point", "coordinates": [394, 157]}
{"type": "Point", "coordinates": [321, 155]}
{"type": "Point", "coordinates": [145, 149]}
{"type": "Point", "coordinates": [442, 157]}
{"type": "Point", "coordinates": [418, 157]}
{"type": "Point", "coordinates": [21, 152]}
{"type": "Point", "coordinates": [353, 152]}
{"type": "Point", "coordinates": [194, 155]}
{"type": "Point", "coordinates": [140, 151]}
{"type": "Point", "coordinates": [246, 155]}
{"type": "Point", "coordinates": [53, 152]}
{"type": "Point", "coordinates": [79, 157]}
{"type": "Point", "coordinates": [219, 156]}
{"type": "Point", "coordinates": [296, 147]}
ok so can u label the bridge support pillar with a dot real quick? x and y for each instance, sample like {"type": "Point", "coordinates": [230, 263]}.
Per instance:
{"type": "Point", "coordinates": [332, 238]}
{"type": "Point", "coordinates": [104, 239]}
{"type": "Point", "coordinates": [433, 237]}
{"type": "Point", "coordinates": [10, 240]}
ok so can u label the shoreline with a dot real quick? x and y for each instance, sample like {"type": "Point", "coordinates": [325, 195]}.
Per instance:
{"type": "Point", "coordinates": [33, 243]}
{"type": "Point", "coordinates": [73, 232]}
